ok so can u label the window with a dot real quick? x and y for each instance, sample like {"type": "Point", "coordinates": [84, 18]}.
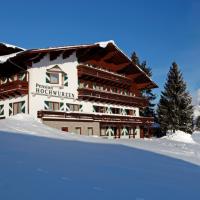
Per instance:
{"type": "Point", "coordinates": [66, 129]}
{"type": "Point", "coordinates": [90, 130]}
{"type": "Point", "coordinates": [74, 107]}
{"type": "Point", "coordinates": [78, 130]}
{"type": "Point", "coordinates": [18, 107]}
{"type": "Point", "coordinates": [115, 110]}
{"type": "Point", "coordinates": [54, 78]}
{"type": "Point", "coordinates": [4, 80]}
{"type": "Point", "coordinates": [54, 106]}
{"type": "Point", "coordinates": [99, 109]}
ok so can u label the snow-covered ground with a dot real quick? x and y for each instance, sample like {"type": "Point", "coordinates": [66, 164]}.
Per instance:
{"type": "Point", "coordinates": [38, 162]}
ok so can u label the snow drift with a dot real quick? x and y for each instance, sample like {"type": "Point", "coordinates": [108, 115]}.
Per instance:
{"type": "Point", "coordinates": [179, 136]}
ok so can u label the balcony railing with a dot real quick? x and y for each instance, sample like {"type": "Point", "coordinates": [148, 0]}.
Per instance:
{"type": "Point", "coordinates": [102, 96]}
{"type": "Point", "coordinates": [102, 118]}
{"type": "Point", "coordinates": [86, 72]}
{"type": "Point", "coordinates": [13, 89]}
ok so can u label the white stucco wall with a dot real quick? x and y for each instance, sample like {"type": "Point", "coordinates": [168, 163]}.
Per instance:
{"type": "Point", "coordinates": [37, 74]}
{"type": "Point", "coordinates": [6, 103]}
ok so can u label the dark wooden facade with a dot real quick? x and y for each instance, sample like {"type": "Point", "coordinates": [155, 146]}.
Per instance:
{"type": "Point", "coordinates": [13, 89]}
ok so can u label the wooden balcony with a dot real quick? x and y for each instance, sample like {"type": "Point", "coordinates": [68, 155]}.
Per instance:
{"type": "Point", "coordinates": [103, 118]}
{"type": "Point", "coordinates": [102, 76]}
{"type": "Point", "coordinates": [13, 89]}
{"type": "Point", "coordinates": [113, 98]}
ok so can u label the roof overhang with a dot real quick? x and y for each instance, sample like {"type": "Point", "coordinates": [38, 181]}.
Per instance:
{"type": "Point", "coordinates": [104, 54]}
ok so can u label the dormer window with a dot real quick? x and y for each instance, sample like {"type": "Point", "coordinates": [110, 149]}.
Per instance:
{"type": "Point", "coordinates": [54, 78]}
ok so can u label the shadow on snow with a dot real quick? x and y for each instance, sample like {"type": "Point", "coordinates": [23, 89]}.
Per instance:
{"type": "Point", "coordinates": [43, 168]}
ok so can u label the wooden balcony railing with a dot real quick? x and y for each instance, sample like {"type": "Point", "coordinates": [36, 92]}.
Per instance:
{"type": "Point", "coordinates": [103, 118]}
{"type": "Point", "coordinates": [114, 98]}
{"type": "Point", "coordinates": [111, 78]}
{"type": "Point", "coordinates": [13, 89]}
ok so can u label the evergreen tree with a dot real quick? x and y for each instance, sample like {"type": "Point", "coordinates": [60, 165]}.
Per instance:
{"type": "Point", "coordinates": [148, 111]}
{"type": "Point", "coordinates": [135, 59]}
{"type": "Point", "coordinates": [175, 109]}
{"type": "Point", "coordinates": [145, 68]}
{"type": "Point", "coordinates": [198, 123]}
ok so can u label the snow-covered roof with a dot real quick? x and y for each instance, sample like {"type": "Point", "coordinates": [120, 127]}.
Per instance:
{"type": "Point", "coordinates": [102, 44]}
{"type": "Point", "coordinates": [105, 43]}
{"type": "Point", "coordinates": [8, 51]}
{"type": "Point", "coordinates": [4, 58]}
{"type": "Point", "coordinates": [12, 46]}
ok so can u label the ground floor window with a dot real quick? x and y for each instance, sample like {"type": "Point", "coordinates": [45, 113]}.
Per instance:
{"type": "Point", "coordinates": [18, 107]}
{"type": "Point", "coordinates": [78, 130]}
{"type": "Point", "coordinates": [65, 129]}
{"type": "Point", "coordinates": [90, 130]}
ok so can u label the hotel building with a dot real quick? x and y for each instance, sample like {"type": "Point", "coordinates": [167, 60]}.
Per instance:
{"type": "Point", "coordinates": [87, 89]}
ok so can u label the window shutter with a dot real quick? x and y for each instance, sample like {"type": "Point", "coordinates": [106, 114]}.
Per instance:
{"type": "Point", "coordinates": [62, 106]}
{"type": "Point", "coordinates": [93, 109]}
{"type": "Point", "coordinates": [46, 105]}
{"type": "Point", "coordinates": [10, 109]}
{"type": "Point", "coordinates": [110, 131]}
{"type": "Point", "coordinates": [5, 80]}
{"type": "Point", "coordinates": [123, 111]}
{"type": "Point", "coordinates": [109, 110]}
{"type": "Point", "coordinates": [22, 77]}
{"type": "Point", "coordinates": [124, 131]}
{"type": "Point", "coordinates": [47, 77]}
{"type": "Point", "coordinates": [23, 107]}
{"type": "Point", "coordinates": [1, 109]}
{"type": "Point", "coordinates": [65, 79]}
{"type": "Point", "coordinates": [67, 107]}
{"type": "Point", "coordinates": [81, 108]}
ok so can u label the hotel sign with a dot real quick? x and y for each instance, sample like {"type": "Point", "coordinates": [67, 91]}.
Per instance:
{"type": "Point", "coordinates": [52, 91]}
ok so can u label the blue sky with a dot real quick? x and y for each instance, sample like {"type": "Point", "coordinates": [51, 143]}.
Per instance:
{"type": "Point", "coordinates": [159, 31]}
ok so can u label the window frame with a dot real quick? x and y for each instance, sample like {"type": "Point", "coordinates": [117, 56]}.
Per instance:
{"type": "Point", "coordinates": [50, 78]}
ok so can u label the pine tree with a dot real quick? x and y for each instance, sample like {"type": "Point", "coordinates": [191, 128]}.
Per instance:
{"type": "Point", "coordinates": [175, 109]}
{"type": "Point", "coordinates": [135, 59]}
{"type": "Point", "coordinates": [148, 111]}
